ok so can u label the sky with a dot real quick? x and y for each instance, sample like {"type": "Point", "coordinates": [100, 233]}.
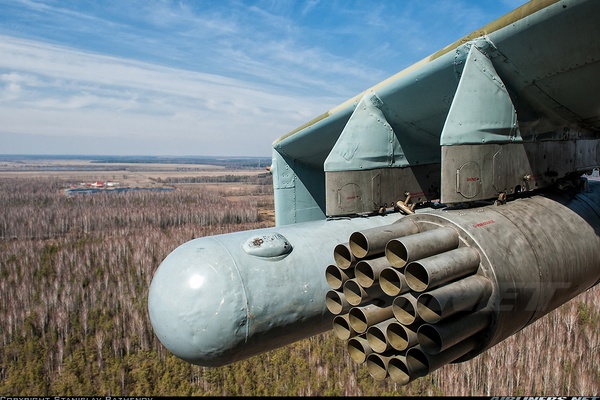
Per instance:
{"type": "Point", "coordinates": [203, 77]}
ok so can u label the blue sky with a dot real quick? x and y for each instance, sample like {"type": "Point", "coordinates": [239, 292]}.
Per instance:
{"type": "Point", "coordinates": [204, 77]}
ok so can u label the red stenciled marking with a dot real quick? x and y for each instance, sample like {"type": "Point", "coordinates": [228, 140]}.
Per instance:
{"type": "Point", "coordinates": [473, 179]}
{"type": "Point", "coordinates": [418, 194]}
{"type": "Point", "coordinates": [484, 223]}
{"type": "Point", "coordinates": [351, 197]}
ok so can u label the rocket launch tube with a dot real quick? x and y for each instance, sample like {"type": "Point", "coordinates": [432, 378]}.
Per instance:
{"type": "Point", "coordinates": [367, 271]}
{"type": "Point", "coordinates": [398, 370]}
{"type": "Point", "coordinates": [401, 251]}
{"type": "Point", "coordinates": [359, 349]}
{"type": "Point", "coordinates": [343, 256]}
{"type": "Point", "coordinates": [361, 318]}
{"type": "Point", "coordinates": [377, 335]}
{"type": "Point", "coordinates": [342, 328]}
{"type": "Point", "coordinates": [404, 308]}
{"type": "Point", "coordinates": [356, 294]}
{"type": "Point", "coordinates": [377, 364]}
{"type": "Point", "coordinates": [393, 282]}
{"type": "Point", "coordinates": [336, 276]}
{"type": "Point", "coordinates": [372, 241]}
{"type": "Point", "coordinates": [434, 271]}
{"type": "Point", "coordinates": [463, 295]}
{"type": "Point", "coordinates": [454, 284]}
{"type": "Point", "coordinates": [336, 302]}
{"type": "Point", "coordinates": [421, 363]}
{"type": "Point", "coordinates": [212, 301]}
{"type": "Point", "coordinates": [402, 337]}
{"type": "Point", "coordinates": [435, 338]}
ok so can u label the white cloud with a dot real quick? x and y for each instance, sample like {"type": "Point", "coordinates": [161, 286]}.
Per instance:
{"type": "Point", "coordinates": [186, 75]}
{"type": "Point", "coordinates": [51, 90]}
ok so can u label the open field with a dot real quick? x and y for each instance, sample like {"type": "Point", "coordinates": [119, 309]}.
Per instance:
{"type": "Point", "coordinates": [142, 174]}
{"type": "Point", "coordinates": [223, 176]}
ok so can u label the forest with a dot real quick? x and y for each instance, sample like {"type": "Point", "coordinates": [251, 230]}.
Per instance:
{"type": "Point", "coordinates": [74, 279]}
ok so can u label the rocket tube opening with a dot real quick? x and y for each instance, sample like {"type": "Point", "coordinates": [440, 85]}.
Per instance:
{"type": "Point", "coordinates": [361, 318]}
{"type": "Point", "coordinates": [429, 308]}
{"type": "Point", "coordinates": [377, 338]}
{"type": "Point", "coordinates": [353, 292]}
{"type": "Point", "coordinates": [358, 320]}
{"type": "Point", "coordinates": [417, 361]}
{"type": "Point", "coordinates": [336, 302]}
{"type": "Point", "coordinates": [463, 295]}
{"type": "Point", "coordinates": [359, 349]}
{"type": "Point", "coordinates": [343, 256]}
{"type": "Point", "coordinates": [396, 337]}
{"type": "Point", "coordinates": [398, 370]}
{"type": "Point", "coordinates": [392, 282]}
{"type": "Point", "coordinates": [364, 274]}
{"type": "Point", "coordinates": [367, 272]}
{"type": "Point", "coordinates": [401, 337]}
{"type": "Point", "coordinates": [377, 366]}
{"type": "Point", "coordinates": [359, 245]}
{"type": "Point", "coordinates": [373, 240]}
{"type": "Point", "coordinates": [396, 253]}
{"type": "Point", "coordinates": [404, 308]}
{"type": "Point", "coordinates": [401, 251]}
{"type": "Point", "coordinates": [342, 328]}
{"type": "Point", "coordinates": [417, 277]}
{"type": "Point", "coordinates": [429, 339]}
{"type": "Point", "coordinates": [335, 276]}
{"type": "Point", "coordinates": [430, 272]}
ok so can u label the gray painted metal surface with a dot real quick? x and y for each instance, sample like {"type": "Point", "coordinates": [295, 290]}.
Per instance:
{"type": "Point", "coordinates": [219, 299]}
{"type": "Point", "coordinates": [351, 192]}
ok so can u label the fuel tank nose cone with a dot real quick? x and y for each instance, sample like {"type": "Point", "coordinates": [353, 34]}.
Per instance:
{"type": "Point", "coordinates": [197, 303]}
